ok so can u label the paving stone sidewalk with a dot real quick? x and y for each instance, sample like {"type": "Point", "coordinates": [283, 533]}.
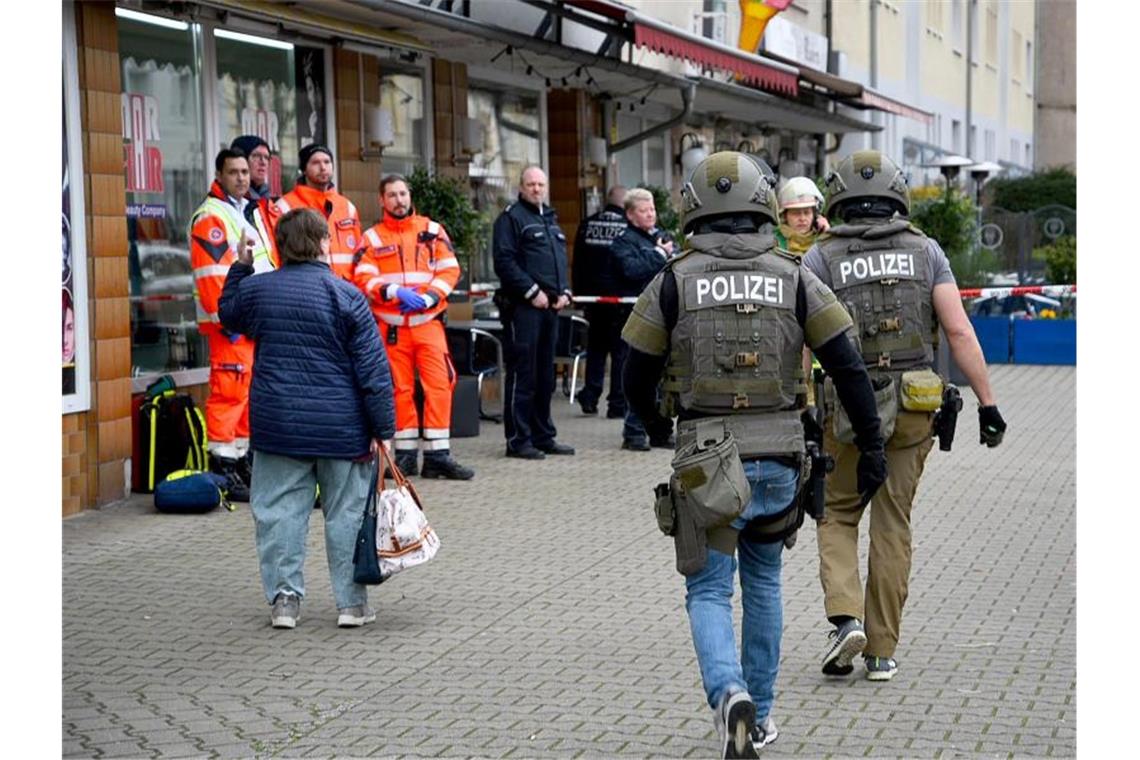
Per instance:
{"type": "Point", "coordinates": [552, 623]}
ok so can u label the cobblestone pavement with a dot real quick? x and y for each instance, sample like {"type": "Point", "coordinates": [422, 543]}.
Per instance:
{"type": "Point", "coordinates": [552, 622]}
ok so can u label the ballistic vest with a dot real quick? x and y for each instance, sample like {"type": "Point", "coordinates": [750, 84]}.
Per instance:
{"type": "Point", "coordinates": [881, 273]}
{"type": "Point", "coordinates": [736, 350]}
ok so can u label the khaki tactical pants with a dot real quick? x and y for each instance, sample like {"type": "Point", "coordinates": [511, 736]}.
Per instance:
{"type": "Point", "coordinates": [888, 563]}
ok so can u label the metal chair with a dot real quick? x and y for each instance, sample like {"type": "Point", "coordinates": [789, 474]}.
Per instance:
{"type": "Point", "coordinates": [570, 348]}
{"type": "Point", "coordinates": [479, 353]}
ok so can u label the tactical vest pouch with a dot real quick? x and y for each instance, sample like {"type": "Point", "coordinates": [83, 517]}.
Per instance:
{"type": "Point", "coordinates": [886, 404]}
{"type": "Point", "coordinates": [691, 545]}
{"type": "Point", "coordinates": [708, 474]}
{"type": "Point", "coordinates": [920, 391]}
{"type": "Point", "coordinates": [664, 510]}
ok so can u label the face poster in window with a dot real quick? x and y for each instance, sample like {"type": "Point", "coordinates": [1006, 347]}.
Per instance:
{"type": "Point", "coordinates": [310, 76]}
{"type": "Point", "coordinates": [68, 300]}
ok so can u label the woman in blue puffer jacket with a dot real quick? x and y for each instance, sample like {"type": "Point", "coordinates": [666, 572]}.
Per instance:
{"type": "Point", "coordinates": [320, 402]}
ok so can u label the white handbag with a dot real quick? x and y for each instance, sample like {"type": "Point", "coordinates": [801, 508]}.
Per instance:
{"type": "Point", "coordinates": [403, 536]}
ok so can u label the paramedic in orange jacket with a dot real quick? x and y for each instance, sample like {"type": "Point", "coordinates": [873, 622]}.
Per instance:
{"type": "Point", "coordinates": [315, 190]}
{"type": "Point", "coordinates": [260, 160]}
{"type": "Point", "coordinates": [407, 268]}
{"type": "Point", "coordinates": [217, 229]}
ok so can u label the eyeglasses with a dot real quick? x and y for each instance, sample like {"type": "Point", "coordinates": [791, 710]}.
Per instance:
{"type": "Point", "coordinates": [259, 156]}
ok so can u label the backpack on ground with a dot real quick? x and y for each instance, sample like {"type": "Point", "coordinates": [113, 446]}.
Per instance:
{"type": "Point", "coordinates": [172, 431]}
{"type": "Point", "coordinates": [191, 492]}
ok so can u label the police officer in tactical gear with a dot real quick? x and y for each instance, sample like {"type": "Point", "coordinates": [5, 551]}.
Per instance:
{"type": "Point", "coordinates": [897, 286]}
{"type": "Point", "coordinates": [530, 260]}
{"type": "Point", "coordinates": [725, 323]}
{"type": "Point", "coordinates": [593, 275]}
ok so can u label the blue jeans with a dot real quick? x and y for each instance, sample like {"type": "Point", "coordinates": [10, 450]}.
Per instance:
{"type": "Point", "coordinates": [709, 599]}
{"type": "Point", "coordinates": [281, 499]}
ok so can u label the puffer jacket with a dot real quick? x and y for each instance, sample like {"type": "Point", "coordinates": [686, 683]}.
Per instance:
{"type": "Point", "coordinates": [321, 384]}
{"type": "Point", "coordinates": [635, 257]}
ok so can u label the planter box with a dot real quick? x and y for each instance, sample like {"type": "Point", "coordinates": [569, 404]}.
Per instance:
{"type": "Point", "coordinates": [1044, 341]}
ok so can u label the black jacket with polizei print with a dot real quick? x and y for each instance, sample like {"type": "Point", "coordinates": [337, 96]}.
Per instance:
{"type": "Point", "coordinates": [592, 271]}
{"type": "Point", "coordinates": [530, 252]}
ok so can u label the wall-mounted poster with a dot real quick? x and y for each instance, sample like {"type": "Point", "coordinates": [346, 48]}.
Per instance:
{"type": "Point", "coordinates": [76, 386]}
{"type": "Point", "coordinates": [310, 76]}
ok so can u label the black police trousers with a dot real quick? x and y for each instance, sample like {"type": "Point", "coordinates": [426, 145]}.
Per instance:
{"type": "Point", "coordinates": [604, 339]}
{"type": "Point", "coordinates": [529, 337]}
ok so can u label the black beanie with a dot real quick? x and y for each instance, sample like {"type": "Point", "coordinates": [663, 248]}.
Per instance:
{"type": "Point", "coordinates": [248, 143]}
{"type": "Point", "coordinates": [307, 153]}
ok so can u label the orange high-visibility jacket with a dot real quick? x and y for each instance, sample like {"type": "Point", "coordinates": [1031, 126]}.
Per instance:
{"type": "Point", "coordinates": [270, 213]}
{"type": "Point", "coordinates": [412, 252]}
{"type": "Point", "coordinates": [215, 230]}
{"type": "Point", "coordinates": [344, 222]}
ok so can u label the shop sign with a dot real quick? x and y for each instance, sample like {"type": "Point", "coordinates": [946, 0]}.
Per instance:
{"type": "Point", "coordinates": [141, 137]}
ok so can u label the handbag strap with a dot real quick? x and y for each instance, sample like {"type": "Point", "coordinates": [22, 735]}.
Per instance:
{"type": "Point", "coordinates": [373, 490]}
{"type": "Point", "coordinates": [389, 465]}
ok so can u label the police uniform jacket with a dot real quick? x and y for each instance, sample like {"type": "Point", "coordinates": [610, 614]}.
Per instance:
{"type": "Point", "coordinates": [592, 273]}
{"type": "Point", "coordinates": [636, 255]}
{"type": "Point", "coordinates": [530, 252]}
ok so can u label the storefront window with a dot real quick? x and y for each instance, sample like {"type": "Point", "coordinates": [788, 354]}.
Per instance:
{"type": "Point", "coordinates": [511, 142]}
{"type": "Point", "coordinates": [274, 90]}
{"type": "Point", "coordinates": [402, 98]}
{"type": "Point", "coordinates": [655, 157]}
{"type": "Point", "coordinates": [165, 179]}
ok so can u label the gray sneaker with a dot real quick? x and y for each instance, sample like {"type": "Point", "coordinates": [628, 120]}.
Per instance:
{"type": "Point", "coordinates": [880, 668]}
{"type": "Point", "coordinates": [764, 733]}
{"type": "Point", "coordinates": [735, 721]}
{"type": "Point", "coordinates": [354, 617]}
{"type": "Point", "coordinates": [286, 611]}
{"type": "Point", "coordinates": [849, 642]}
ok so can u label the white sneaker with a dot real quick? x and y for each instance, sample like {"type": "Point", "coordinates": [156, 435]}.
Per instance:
{"type": "Point", "coordinates": [764, 733]}
{"type": "Point", "coordinates": [286, 611]}
{"type": "Point", "coordinates": [735, 720]}
{"type": "Point", "coordinates": [354, 617]}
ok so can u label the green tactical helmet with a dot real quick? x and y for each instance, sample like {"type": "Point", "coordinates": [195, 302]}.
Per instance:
{"type": "Point", "coordinates": [866, 174]}
{"type": "Point", "coordinates": [728, 182]}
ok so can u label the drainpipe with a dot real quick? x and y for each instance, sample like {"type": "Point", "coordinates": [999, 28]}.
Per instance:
{"type": "Point", "coordinates": [969, 75]}
{"type": "Point", "coordinates": [687, 96]}
{"type": "Point", "coordinates": [876, 137]}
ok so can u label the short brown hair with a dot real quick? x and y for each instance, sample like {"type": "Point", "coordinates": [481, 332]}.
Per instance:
{"type": "Point", "coordinates": [299, 235]}
{"type": "Point", "coordinates": [392, 179]}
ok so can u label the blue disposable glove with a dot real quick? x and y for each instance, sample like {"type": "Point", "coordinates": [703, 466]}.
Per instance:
{"type": "Point", "coordinates": [410, 300]}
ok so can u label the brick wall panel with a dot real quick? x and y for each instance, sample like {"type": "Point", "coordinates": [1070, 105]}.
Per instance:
{"type": "Point", "coordinates": [111, 482]}
{"type": "Point", "coordinates": [111, 318]}
{"type": "Point", "coordinates": [106, 194]}
{"type": "Point", "coordinates": [110, 277]}
{"type": "Point", "coordinates": [103, 153]}
{"type": "Point", "coordinates": [107, 233]}
{"type": "Point", "coordinates": [114, 400]}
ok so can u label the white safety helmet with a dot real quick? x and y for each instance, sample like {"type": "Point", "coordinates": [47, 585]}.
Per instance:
{"type": "Point", "coordinates": [800, 192]}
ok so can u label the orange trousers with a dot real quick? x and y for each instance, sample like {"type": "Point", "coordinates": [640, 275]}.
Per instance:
{"type": "Point", "coordinates": [227, 406]}
{"type": "Point", "coordinates": [422, 349]}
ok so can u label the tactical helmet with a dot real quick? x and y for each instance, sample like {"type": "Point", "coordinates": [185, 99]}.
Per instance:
{"type": "Point", "coordinates": [800, 192]}
{"type": "Point", "coordinates": [728, 182]}
{"type": "Point", "coordinates": [867, 174]}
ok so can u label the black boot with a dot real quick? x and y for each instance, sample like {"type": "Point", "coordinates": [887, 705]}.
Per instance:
{"type": "Point", "coordinates": [439, 464]}
{"type": "Point", "coordinates": [236, 489]}
{"type": "Point", "coordinates": [408, 462]}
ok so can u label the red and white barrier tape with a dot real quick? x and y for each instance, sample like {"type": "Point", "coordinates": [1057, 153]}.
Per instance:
{"type": "Point", "coordinates": [605, 299]}
{"type": "Point", "coordinates": [1019, 290]}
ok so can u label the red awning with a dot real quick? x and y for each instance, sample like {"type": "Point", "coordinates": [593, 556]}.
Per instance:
{"type": "Point", "coordinates": [661, 38]}
{"type": "Point", "coordinates": [872, 99]}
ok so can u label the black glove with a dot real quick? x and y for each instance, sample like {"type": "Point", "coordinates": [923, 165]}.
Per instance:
{"type": "Point", "coordinates": [871, 472]}
{"type": "Point", "coordinates": [990, 425]}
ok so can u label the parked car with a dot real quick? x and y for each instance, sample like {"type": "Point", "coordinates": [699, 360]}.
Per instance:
{"type": "Point", "coordinates": [1026, 306]}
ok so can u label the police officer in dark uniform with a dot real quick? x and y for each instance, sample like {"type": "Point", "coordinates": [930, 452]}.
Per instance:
{"type": "Point", "coordinates": [592, 274]}
{"type": "Point", "coordinates": [530, 261]}
{"type": "Point", "coordinates": [726, 323]}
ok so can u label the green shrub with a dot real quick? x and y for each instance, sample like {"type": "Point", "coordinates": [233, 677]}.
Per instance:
{"type": "Point", "coordinates": [952, 220]}
{"type": "Point", "coordinates": [1060, 260]}
{"type": "Point", "coordinates": [1054, 186]}
{"type": "Point", "coordinates": [446, 200]}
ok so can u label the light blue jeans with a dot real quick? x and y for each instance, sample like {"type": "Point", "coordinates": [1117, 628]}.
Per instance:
{"type": "Point", "coordinates": [709, 599]}
{"type": "Point", "coordinates": [281, 499]}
